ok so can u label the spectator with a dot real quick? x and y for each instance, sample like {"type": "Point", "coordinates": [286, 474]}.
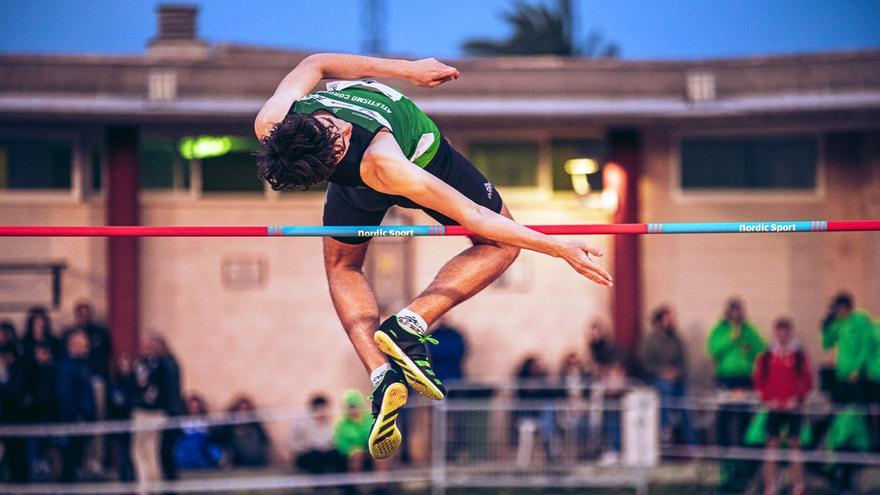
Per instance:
{"type": "Point", "coordinates": [39, 331]}
{"type": "Point", "coordinates": [157, 381]}
{"type": "Point", "coordinates": [352, 432]}
{"type": "Point", "coordinates": [42, 407]}
{"type": "Point", "coordinates": [449, 353]}
{"type": "Point", "coordinates": [535, 416]}
{"type": "Point", "coordinates": [665, 361]}
{"type": "Point", "coordinates": [611, 388]}
{"type": "Point", "coordinates": [121, 393]}
{"type": "Point", "coordinates": [246, 443]}
{"type": "Point", "coordinates": [98, 335]}
{"type": "Point", "coordinates": [198, 445]}
{"type": "Point", "coordinates": [75, 400]}
{"type": "Point", "coordinates": [9, 337]}
{"type": "Point", "coordinates": [850, 333]}
{"type": "Point", "coordinates": [733, 345]}
{"type": "Point", "coordinates": [574, 379]}
{"type": "Point", "coordinates": [574, 375]}
{"type": "Point", "coordinates": [12, 410]}
{"type": "Point", "coordinates": [783, 379]}
{"type": "Point", "coordinates": [603, 352]}
{"type": "Point", "coordinates": [311, 440]}
{"type": "Point", "coordinates": [873, 386]}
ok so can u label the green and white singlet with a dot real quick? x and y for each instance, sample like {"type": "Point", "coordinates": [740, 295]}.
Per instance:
{"type": "Point", "coordinates": [374, 105]}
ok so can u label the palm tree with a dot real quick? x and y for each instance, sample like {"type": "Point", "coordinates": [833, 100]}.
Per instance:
{"type": "Point", "coordinates": [539, 29]}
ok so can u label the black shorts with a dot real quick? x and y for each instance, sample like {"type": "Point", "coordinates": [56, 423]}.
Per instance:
{"type": "Point", "coordinates": [777, 420]}
{"type": "Point", "coordinates": [362, 206]}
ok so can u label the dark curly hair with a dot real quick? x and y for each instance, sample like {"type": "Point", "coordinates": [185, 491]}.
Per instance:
{"type": "Point", "coordinates": [298, 153]}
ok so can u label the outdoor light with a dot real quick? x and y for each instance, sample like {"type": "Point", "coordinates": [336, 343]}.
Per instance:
{"type": "Point", "coordinates": [211, 146]}
{"type": "Point", "coordinates": [578, 169]}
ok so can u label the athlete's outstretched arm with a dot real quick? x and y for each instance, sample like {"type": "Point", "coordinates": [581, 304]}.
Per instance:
{"type": "Point", "coordinates": [387, 170]}
{"type": "Point", "coordinates": [308, 73]}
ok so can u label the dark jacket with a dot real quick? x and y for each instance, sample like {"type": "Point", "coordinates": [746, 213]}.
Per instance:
{"type": "Point", "coordinates": [157, 381]}
{"type": "Point", "coordinates": [13, 386]}
{"type": "Point", "coordinates": [662, 349]}
{"type": "Point", "coordinates": [121, 395]}
{"type": "Point", "coordinates": [76, 399]}
{"type": "Point", "coordinates": [42, 390]}
{"type": "Point", "coordinates": [448, 354]}
{"type": "Point", "coordinates": [99, 347]}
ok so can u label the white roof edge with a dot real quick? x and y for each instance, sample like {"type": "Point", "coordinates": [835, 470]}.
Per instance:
{"type": "Point", "coordinates": [460, 106]}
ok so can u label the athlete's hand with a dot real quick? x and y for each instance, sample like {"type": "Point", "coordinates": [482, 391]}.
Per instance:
{"type": "Point", "coordinates": [430, 73]}
{"type": "Point", "coordinates": [577, 254]}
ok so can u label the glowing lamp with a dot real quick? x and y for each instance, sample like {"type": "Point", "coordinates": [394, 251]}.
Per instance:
{"type": "Point", "coordinates": [578, 169]}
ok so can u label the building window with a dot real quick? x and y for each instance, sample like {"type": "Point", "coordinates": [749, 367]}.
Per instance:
{"type": "Point", "coordinates": [749, 163]}
{"type": "Point", "coordinates": [228, 163]}
{"type": "Point", "coordinates": [563, 150]}
{"type": "Point", "coordinates": [507, 164]}
{"type": "Point", "coordinates": [35, 164]}
{"type": "Point", "coordinates": [162, 166]}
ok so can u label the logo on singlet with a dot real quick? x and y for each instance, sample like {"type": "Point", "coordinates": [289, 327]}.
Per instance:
{"type": "Point", "coordinates": [489, 189]}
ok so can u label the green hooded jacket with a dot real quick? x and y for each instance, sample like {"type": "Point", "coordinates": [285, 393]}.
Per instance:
{"type": "Point", "coordinates": [873, 369]}
{"type": "Point", "coordinates": [853, 339]}
{"type": "Point", "coordinates": [734, 356]}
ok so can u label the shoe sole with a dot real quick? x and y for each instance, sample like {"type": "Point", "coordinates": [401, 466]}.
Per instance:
{"type": "Point", "coordinates": [385, 437]}
{"type": "Point", "coordinates": [413, 375]}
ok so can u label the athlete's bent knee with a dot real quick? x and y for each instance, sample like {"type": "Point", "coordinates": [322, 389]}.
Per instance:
{"type": "Point", "coordinates": [510, 252]}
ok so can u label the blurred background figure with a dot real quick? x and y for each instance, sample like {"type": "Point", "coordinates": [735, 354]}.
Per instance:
{"type": "Point", "coordinates": [246, 444]}
{"type": "Point", "coordinates": [13, 385]}
{"type": "Point", "coordinates": [600, 345]}
{"type": "Point", "coordinates": [38, 331]}
{"type": "Point", "coordinates": [575, 380]}
{"type": "Point", "coordinates": [535, 421]}
{"type": "Point", "coordinates": [733, 345]}
{"type": "Point", "coordinates": [42, 407]}
{"type": "Point", "coordinates": [449, 353]}
{"type": "Point", "coordinates": [610, 390]}
{"type": "Point", "coordinates": [311, 440]}
{"type": "Point", "coordinates": [121, 395]}
{"type": "Point", "coordinates": [849, 334]}
{"type": "Point", "coordinates": [98, 335]}
{"type": "Point", "coordinates": [157, 381]}
{"type": "Point", "coordinates": [198, 446]}
{"type": "Point", "coordinates": [76, 402]}
{"type": "Point", "coordinates": [783, 379]}
{"type": "Point", "coordinates": [99, 362]}
{"type": "Point", "coordinates": [664, 359]}
{"type": "Point", "coordinates": [352, 432]}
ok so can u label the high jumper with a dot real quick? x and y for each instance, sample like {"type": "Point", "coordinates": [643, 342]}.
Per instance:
{"type": "Point", "coordinates": [377, 149]}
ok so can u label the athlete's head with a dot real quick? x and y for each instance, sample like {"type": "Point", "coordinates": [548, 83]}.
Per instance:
{"type": "Point", "coordinates": [299, 152]}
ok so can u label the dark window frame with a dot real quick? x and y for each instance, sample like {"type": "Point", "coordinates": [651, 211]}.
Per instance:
{"type": "Point", "coordinates": [728, 194]}
{"type": "Point", "coordinates": [513, 141]}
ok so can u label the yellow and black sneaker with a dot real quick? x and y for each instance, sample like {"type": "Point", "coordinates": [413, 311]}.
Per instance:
{"type": "Point", "coordinates": [405, 343]}
{"type": "Point", "coordinates": [388, 399]}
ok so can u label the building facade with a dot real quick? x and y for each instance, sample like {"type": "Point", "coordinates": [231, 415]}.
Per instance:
{"type": "Point", "coordinates": [166, 139]}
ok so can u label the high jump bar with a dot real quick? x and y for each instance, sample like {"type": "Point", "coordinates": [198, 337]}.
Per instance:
{"type": "Point", "coordinates": [437, 230]}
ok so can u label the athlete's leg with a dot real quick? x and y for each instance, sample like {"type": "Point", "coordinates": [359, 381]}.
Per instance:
{"type": "Point", "coordinates": [463, 276]}
{"type": "Point", "coordinates": [402, 337]}
{"type": "Point", "coordinates": [353, 298]}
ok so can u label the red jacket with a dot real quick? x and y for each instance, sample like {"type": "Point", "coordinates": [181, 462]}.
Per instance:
{"type": "Point", "coordinates": [782, 375]}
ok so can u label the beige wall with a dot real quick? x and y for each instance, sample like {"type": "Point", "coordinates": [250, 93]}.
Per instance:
{"type": "Point", "coordinates": [792, 275]}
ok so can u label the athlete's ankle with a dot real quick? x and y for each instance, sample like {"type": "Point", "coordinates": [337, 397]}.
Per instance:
{"type": "Point", "coordinates": [378, 374]}
{"type": "Point", "coordinates": [413, 317]}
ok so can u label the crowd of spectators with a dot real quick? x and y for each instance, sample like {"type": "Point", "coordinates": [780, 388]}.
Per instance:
{"type": "Point", "coordinates": [761, 383]}
{"type": "Point", "coordinates": [71, 377]}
